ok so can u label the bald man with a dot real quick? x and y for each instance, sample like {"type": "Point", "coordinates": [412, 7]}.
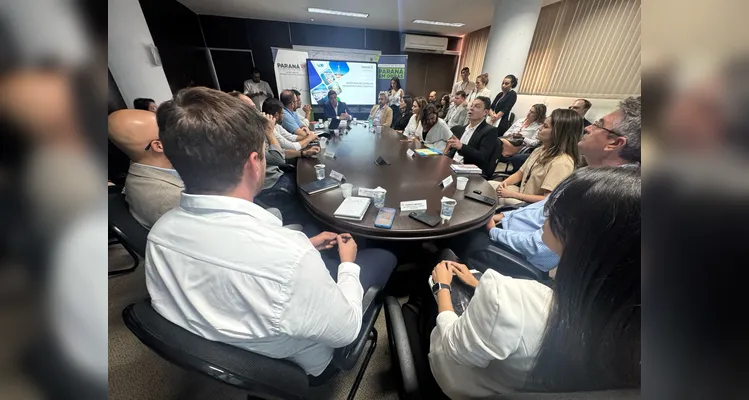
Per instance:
{"type": "Point", "coordinates": [152, 186]}
{"type": "Point", "coordinates": [433, 97]}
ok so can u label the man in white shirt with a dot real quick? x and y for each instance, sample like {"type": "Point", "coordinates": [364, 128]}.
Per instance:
{"type": "Point", "coordinates": [292, 144]}
{"type": "Point", "coordinates": [223, 268]}
{"type": "Point", "coordinates": [303, 110]}
{"type": "Point", "coordinates": [465, 84]}
{"type": "Point", "coordinates": [257, 90]}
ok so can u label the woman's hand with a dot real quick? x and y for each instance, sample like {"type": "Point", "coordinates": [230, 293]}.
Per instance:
{"type": "Point", "coordinates": [506, 193]}
{"type": "Point", "coordinates": [442, 273]}
{"type": "Point", "coordinates": [462, 272]}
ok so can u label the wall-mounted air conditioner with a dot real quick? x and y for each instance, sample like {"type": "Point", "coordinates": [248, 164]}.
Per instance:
{"type": "Point", "coordinates": [423, 44]}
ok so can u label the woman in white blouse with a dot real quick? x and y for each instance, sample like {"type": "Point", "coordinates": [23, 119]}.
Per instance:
{"type": "Point", "coordinates": [518, 334]}
{"type": "Point", "coordinates": [394, 97]}
{"type": "Point", "coordinates": [524, 132]}
{"type": "Point", "coordinates": [413, 129]}
{"type": "Point", "coordinates": [481, 90]}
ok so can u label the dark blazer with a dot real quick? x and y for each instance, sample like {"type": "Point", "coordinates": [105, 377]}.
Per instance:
{"type": "Point", "coordinates": [331, 112]}
{"type": "Point", "coordinates": [480, 149]}
{"type": "Point", "coordinates": [402, 122]}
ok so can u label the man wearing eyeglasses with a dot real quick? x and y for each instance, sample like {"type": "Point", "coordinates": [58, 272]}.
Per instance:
{"type": "Point", "coordinates": [152, 186]}
{"type": "Point", "coordinates": [581, 106]}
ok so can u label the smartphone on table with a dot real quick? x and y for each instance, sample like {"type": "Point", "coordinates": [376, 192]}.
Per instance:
{"type": "Point", "coordinates": [423, 217]}
{"type": "Point", "coordinates": [385, 218]}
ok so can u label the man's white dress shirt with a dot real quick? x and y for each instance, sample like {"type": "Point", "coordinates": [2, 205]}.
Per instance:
{"type": "Point", "coordinates": [225, 269]}
{"type": "Point", "coordinates": [285, 139]}
{"type": "Point", "coordinates": [493, 346]}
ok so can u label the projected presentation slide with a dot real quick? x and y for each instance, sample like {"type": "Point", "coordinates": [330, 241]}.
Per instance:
{"type": "Point", "coordinates": [355, 82]}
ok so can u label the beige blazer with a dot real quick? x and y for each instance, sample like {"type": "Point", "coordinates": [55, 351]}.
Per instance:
{"type": "Point", "coordinates": [151, 192]}
{"type": "Point", "coordinates": [387, 115]}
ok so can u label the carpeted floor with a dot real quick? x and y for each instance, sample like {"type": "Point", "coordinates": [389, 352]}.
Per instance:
{"type": "Point", "coordinates": [135, 372]}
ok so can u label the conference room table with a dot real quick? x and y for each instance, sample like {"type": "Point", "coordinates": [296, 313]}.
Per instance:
{"type": "Point", "coordinates": [406, 178]}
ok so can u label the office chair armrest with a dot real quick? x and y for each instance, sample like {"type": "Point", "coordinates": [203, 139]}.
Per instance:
{"type": "Point", "coordinates": [500, 175]}
{"type": "Point", "coordinates": [510, 207]}
{"type": "Point", "coordinates": [288, 168]}
{"type": "Point", "coordinates": [508, 262]}
{"type": "Point", "coordinates": [400, 346]}
{"type": "Point", "coordinates": [345, 358]}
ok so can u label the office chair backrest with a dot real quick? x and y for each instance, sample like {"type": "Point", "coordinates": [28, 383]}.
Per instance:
{"type": "Point", "coordinates": [125, 226]}
{"type": "Point", "coordinates": [261, 376]}
{"type": "Point", "coordinates": [494, 160]}
{"type": "Point", "coordinates": [511, 118]}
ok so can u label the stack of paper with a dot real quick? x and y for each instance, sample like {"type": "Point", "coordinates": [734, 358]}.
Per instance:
{"type": "Point", "coordinates": [465, 169]}
{"type": "Point", "coordinates": [353, 208]}
{"type": "Point", "coordinates": [428, 152]}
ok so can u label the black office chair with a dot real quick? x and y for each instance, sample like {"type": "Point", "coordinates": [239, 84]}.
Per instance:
{"type": "Point", "coordinates": [507, 262]}
{"type": "Point", "coordinates": [260, 376]}
{"type": "Point", "coordinates": [407, 379]}
{"type": "Point", "coordinates": [511, 118]}
{"type": "Point", "coordinates": [127, 231]}
{"type": "Point", "coordinates": [493, 161]}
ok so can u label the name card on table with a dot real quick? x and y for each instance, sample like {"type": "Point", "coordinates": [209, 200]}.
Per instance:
{"type": "Point", "coordinates": [447, 181]}
{"type": "Point", "coordinates": [414, 205]}
{"type": "Point", "coordinates": [410, 153]}
{"type": "Point", "coordinates": [337, 176]}
{"type": "Point", "coordinates": [330, 153]}
{"type": "Point", "coordinates": [364, 192]}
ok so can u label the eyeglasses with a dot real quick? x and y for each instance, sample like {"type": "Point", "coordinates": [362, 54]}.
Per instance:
{"type": "Point", "coordinates": [599, 124]}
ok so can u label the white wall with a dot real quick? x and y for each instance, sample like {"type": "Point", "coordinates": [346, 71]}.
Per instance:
{"type": "Point", "coordinates": [130, 59]}
{"type": "Point", "coordinates": [598, 109]}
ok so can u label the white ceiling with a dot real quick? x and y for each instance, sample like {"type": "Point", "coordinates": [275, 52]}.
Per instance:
{"type": "Point", "coordinates": [393, 15]}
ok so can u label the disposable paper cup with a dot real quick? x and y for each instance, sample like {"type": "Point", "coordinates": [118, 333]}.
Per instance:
{"type": "Point", "coordinates": [462, 182]}
{"type": "Point", "coordinates": [446, 211]}
{"type": "Point", "coordinates": [320, 171]}
{"type": "Point", "coordinates": [378, 129]}
{"type": "Point", "coordinates": [347, 188]}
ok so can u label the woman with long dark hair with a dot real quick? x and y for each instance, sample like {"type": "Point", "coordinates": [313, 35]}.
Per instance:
{"type": "Point", "coordinates": [518, 334]}
{"type": "Point", "coordinates": [395, 93]}
{"type": "Point", "coordinates": [405, 114]}
{"type": "Point", "coordinates": [549, 164]}
{"type": "Point", "coordinates": [444, 106]}
{"type": "Point", "coordinates": [502, 105]}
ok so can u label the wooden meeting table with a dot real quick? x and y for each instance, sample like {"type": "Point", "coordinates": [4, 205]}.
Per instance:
{"type": "Point", "coordinates": [406, 178]}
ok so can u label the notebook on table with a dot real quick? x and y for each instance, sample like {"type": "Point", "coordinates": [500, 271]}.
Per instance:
{"type": "Point", "coordinates": [428, 152]}
{"type": "Point", "coordinates": [466, 169]}
{"type": "Point", "coordinates": [320, 185]}
{"type": "Point", "coordinates": [353, 208]}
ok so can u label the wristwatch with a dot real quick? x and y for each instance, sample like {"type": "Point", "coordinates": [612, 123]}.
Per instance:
{"type": "Point", "coordinates": [439, 286]}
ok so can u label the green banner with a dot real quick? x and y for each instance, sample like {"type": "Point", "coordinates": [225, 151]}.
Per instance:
{"type": "Point", "coordinates": [390, 72]}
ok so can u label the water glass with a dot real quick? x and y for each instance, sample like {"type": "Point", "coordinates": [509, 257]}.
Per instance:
{"type": "Point", "coordinates": [320, 171]}
{"type": "Point", "coordinates": [446, 211]}
{"type": "Point", "coordinates": [379, 198]}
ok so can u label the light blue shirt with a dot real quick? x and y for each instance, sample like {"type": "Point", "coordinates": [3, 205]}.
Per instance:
{"type": "Point", "coordinates": [522, 233]}
{"type": "Point", "coordinates": [291, 121]}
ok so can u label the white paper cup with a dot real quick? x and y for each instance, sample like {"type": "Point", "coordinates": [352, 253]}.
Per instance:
{"type": "Point", "coordinates": [347, 188]}
{"type": "Point", "coordinates": [462, 182]}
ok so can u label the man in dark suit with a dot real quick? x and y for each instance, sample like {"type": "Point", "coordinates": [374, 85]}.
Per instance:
{"type": "Point", "coordinates": [334, 108]}
{"type": "Point", "coordinates": [476, 143]}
